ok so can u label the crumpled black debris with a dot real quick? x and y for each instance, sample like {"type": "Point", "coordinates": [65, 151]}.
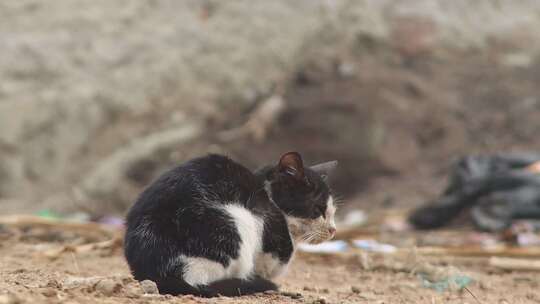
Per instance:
{"type": "Point", "coordinates": [496, 189]}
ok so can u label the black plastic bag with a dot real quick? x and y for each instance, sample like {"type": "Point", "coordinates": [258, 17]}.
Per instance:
{"type": "Point", "coordinates": [496, 189]}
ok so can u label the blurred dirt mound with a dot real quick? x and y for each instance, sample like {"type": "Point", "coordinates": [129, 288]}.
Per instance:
{"type": "Point", "coordinates": [97, 98]}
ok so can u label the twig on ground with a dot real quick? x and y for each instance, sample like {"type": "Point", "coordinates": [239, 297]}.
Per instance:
{"type": "Point", "coordinates": [472, 294]}
{"type": "Point", "coordinates": [515, 264]}
{"type": "Point", "coordinates": [37, 221]}
{"type": "Point", "coordinates": [500, 251]}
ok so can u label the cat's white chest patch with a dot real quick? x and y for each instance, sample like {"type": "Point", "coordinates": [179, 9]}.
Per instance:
{"type": "Point", "coordinates": [250, 229]}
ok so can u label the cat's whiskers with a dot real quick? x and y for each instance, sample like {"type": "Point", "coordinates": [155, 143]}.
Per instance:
{"type": "Point", "coordinates": [315, 235]}
{"type": "Point", "coordinates": [305, 237]}
{"type": "Point", "coordinates": [309, 237]}
{"type": "Point", "coordinates": [338, 200]}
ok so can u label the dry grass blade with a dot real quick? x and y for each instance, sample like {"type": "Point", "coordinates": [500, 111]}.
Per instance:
{"type": "Point", "coordinates": [477, 251]}
{"type": "Point", "coordinates": [31, 220]}
{"type": "Point", "coordinates": [472, 294]}
{"type": "Point", "coordinates": [515, 264]}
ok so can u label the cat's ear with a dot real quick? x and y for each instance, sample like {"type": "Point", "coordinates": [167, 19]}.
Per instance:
{"type": "Point", "coordinates": [325, 169]}
{"type": "Point", "coordinates": [291, 163]}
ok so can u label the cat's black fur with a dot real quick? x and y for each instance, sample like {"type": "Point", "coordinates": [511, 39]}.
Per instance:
{"type": "Point", "coordinates": [179, 214]}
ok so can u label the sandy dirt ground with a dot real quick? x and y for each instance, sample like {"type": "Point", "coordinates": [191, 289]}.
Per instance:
{"type": "Point", "coordinates": [32, 271]}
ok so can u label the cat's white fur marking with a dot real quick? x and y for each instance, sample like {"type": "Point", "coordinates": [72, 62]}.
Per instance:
{"type": "Point", "coordinates": [201, 271]}
{"type": "Point", "coordinates": [269, 267]}
{"type": "Point", "coordinates": [330, 212]}
{"type": "Point", "coordinates": [250, 229]}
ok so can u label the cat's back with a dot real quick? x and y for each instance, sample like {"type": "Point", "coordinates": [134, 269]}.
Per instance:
{"type": "Point", "coordinates": [220, 174]}
{"type": "Point", "coordinates": [210, 179]}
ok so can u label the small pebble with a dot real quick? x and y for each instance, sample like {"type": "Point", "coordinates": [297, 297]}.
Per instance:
{"type": "Point", "coordinates": [9, 299]}
{"type": "Point", "coordinates": [76, 282]}
{"type": "Point", "coordinates": [320, 300]}
{"type": "Point", "coordinates": [325, 290]}
{"type": "Point", "coordinates": [149, 287]}
{"type": "Point", "coordinates": [48, 292]}
{"type": "Point", "coordinates": [485, 285]}
{"type": "Point", "coordinates": [346, 69]}
{"type": "Point", "coordinates": [54, 284]}
{"type": "Point", "coordinates": [108, 287]}
{"type": "Point", "coordinates": [355, 289]}
{"type": "Point", "coordinates": [307, 288]}
{"type": "Point", "coordinates": [532, 296]}
{"type": "Point", "coordinates": [292, 295]}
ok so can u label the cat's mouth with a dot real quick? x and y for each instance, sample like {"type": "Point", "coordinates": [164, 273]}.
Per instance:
{"type": "Point", "coordinates": [311, 231]}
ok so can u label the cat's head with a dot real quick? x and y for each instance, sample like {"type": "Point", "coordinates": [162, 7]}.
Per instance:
{"type": "Point", "coordinates": [302, 193]}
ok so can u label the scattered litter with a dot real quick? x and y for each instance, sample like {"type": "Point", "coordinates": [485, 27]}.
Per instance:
{"type": "Point", "coordinates": [522, 233]}
{"type": "Point", "coordinates": [112, 221]}
{"type": "Point", "coordinates": [528, 239]}
{"type": "Point", "coordinates": [325, 247]}
{"type": "Point", "coordinates": [456, 282]}
{"type": "Point", "coordinates": [497, 189]}
{"type": "Point", "coordinates": [80, 217]}
{"type": "Point", "coordinates": [374, 246]}
{"type": "Point", "coordinates": [485, 240]}
{"type": "Point", "coordinates": [442, 278]}
{"type": "Point", "coordinates": [48, 214]}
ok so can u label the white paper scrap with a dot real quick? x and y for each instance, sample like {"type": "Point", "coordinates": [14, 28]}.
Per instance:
{"type": "Point", "coordinates": [372, 245]}
{"type": "Point", "coordinates": [325, 247]}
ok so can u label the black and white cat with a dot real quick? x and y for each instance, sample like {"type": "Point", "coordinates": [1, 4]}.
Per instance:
{"type": "Point", "coordinates": [211, 227]}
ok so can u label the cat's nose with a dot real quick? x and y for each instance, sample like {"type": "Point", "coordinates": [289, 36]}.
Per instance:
{"type": "Point", "coordinates": [332, 230]}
